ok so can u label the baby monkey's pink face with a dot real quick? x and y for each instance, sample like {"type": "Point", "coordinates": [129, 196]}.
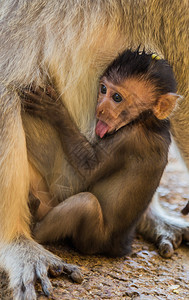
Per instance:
{"type": "Point", "coordinates": [118, 105]}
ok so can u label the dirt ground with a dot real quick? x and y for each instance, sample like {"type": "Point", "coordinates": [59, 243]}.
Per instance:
{"type": "Point", "coordinates": [143, 274]}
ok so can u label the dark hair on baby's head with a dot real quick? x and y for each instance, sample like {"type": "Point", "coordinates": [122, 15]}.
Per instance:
{"type": "Point", "coordinates": [142, 65]}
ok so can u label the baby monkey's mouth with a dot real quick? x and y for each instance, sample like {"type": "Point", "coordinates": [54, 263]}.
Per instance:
{"type": "Point", "coordinates": [101, 128]}
{"type": "Point", "coordinates": [108, 125]}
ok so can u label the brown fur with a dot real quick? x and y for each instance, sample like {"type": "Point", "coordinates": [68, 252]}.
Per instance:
{"type": "Point", "coordinates": [70, 43]}
{"type": "Point", "coordinates": [145, 86]}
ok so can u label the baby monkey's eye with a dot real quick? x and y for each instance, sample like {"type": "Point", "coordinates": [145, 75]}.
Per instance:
{"type": "Point", "coordinates": [103, 89]}
{"type": "Point", "coordinates": [117, 98]}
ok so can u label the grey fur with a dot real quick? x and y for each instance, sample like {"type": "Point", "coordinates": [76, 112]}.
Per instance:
{"type": "Point", "coordinates": [71, 43]}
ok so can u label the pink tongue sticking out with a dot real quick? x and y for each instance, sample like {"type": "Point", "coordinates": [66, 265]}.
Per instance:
{"type": "Point", "coordinates": [101, 128]}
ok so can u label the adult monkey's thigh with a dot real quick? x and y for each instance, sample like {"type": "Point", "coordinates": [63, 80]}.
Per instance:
{"type": "Point", "coordinates": [14, 175]}
{"type": "Point", "coordinates": [21, 256]}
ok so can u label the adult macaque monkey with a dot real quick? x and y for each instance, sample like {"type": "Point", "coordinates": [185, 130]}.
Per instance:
{"type": "Point", "coordinates": [70, 43]}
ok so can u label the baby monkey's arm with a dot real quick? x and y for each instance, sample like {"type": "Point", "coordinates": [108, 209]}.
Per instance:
{"type": "Point", "coordinates": [46, 104]}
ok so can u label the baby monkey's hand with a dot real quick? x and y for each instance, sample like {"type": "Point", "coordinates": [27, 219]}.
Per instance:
{"type": "Point", "coordinates": [42, 102]}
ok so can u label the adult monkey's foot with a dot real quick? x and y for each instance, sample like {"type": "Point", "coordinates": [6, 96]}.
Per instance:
{"type": "Point", "coordinates": [166, 231]}
{"type": "Point", "coordinates": [25, 260]}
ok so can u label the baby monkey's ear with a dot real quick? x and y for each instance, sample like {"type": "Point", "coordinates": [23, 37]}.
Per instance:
{"type": "Point", "coordinates": [165, 105]}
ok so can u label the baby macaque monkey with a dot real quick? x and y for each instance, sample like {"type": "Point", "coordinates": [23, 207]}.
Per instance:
{"type": "Point", "coordinates": [135, 87]}
{"type": "Point", "coordinates": [136, 95]}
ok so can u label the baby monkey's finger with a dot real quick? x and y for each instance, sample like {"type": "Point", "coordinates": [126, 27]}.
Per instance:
{"type": "Point", "coordinates": [28, 105]}
{"type": "Point", "coordinates": [37, 96]}
{"type": "Point", "coordinates": [52, 93]}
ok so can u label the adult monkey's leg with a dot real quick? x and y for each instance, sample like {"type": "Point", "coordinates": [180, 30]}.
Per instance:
{"type": "Point", "coordinates": [14, 175]}
{"type": "Point", "coordinates": [22, 257]}
{"type": "Point", "coordinates": [165, 230]}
